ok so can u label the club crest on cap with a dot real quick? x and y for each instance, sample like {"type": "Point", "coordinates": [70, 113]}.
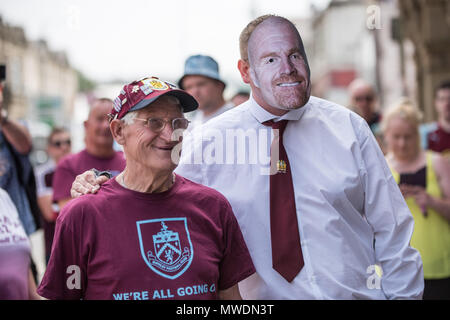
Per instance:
{"type": "Point", "coordinates": [140, 93]}
{"type": "Point", "coordinates": [154, 84]}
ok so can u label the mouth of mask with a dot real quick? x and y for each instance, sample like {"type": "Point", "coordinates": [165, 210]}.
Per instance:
{"type": "Point", "coordinates": [289, 84]}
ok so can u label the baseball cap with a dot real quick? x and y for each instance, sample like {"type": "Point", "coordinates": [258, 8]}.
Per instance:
{"type": "Point", "coordinates": [139, 94]}
{"type": "Point", "coordinates": [200, 65]}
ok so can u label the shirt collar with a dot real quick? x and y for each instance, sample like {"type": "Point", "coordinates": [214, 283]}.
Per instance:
{"type": "Point", "coordinates": [262, 115]}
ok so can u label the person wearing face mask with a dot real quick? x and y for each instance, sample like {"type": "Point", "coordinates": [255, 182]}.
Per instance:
{"type": "Point", "coordinates": [338, 224]}
{"type": "Point", "coordinates": [323, 218]}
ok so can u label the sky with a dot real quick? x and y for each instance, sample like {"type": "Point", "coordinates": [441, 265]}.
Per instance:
{"type": "Point", "coordinates": [129, 39]}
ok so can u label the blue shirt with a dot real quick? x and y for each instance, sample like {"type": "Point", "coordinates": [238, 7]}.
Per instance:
{"type": "Point", "coordinates": [9, 180]}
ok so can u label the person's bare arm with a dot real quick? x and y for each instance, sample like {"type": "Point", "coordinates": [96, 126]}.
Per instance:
{"type": "Point", "coordinates": [442, 169]}
{"type": "Point", "coordinates": [86, 183]}
{"type": "Point", "coordinates": [16, 134]}
{"type": "Point", "coordinates": [32, 294]}
{"type": "Point", "coordinates": [230, 293]}
{"type": "Point", "coordinates": [45, 204]}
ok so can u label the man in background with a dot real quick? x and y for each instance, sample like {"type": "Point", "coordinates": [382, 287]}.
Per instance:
{"type": "Point", "coordinates": [439, 139]}
{"type": "Point", "coordinates": [99, 153]}
{"type": "Point", "coordinates": [201, 79]}
{"type": "Point", "coordinates": [363, 102]}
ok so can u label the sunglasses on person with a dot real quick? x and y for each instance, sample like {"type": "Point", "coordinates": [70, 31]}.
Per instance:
{"type": "Point", "coordinates": [157, 125]}
{"type": "Point", "coordinates": [59, 143]}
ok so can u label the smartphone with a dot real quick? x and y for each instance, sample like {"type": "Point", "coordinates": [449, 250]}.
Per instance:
{"type": "Point", "coordinates": [2, 72]}
{"type": "Point", "coordinates": [417, 179]}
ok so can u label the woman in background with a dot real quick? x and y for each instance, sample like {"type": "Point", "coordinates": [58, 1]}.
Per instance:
{"type": "Point", "coordinates": [424, 180]}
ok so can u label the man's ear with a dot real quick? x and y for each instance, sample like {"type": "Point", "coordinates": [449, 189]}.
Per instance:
{"type": "Point", "coordinates": [244, 69]}
{"type": "Point", "coordinates": [116, 126]}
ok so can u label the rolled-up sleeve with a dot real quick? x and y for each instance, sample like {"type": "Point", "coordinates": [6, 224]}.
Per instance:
{"type": "Point", "coordinates": [392, 223]}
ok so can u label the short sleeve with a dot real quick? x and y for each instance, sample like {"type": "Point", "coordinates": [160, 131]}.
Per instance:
{"type": "Point", "coordinates": [236, 263]}
{"type": "Point", "coordinates": [41, 177]}
{"type": "Point", "coordinates": [65, 276]}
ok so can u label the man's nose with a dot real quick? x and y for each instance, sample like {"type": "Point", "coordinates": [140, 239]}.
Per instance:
{"type": "Point", "coordinates": [167, 132]}
{"type": "Point", "coordinates": [287, 66]}
{"type": "Point", "coordinates": [194, 91]}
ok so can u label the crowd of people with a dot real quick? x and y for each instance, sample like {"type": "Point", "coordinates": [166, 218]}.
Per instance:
{"type": "Point", "coordinates": [350, 204]}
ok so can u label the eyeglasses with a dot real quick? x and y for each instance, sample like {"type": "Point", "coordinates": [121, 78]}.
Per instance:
{"type": "Point", "coordinates": [58, 144]}
{"type": "Point", "coordinates": [157, 125]}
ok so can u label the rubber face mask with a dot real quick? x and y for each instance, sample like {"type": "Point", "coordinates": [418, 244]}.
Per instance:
{"type": "Point", "coordinates": [278, 66]}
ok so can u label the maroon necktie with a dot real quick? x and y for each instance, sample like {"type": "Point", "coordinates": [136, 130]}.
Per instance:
{"type": "Point", "coordinates": [287, 257]}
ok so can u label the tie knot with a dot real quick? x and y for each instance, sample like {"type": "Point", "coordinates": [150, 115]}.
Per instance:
{"type": "Point", "coordinates": [280, 125]}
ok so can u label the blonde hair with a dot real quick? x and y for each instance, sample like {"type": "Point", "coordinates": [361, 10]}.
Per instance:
{"type": "Point", "coordinates": [406, 110]}
{"type": "Point", "coordinates": [248, 30]}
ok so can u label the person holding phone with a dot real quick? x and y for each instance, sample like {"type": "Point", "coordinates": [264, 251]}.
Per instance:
{"type": "Point", "coordinates": [424, 180]}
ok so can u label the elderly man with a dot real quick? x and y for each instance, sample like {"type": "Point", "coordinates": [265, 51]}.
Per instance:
{"type": "Point", "coordinates": [99, 153]}
{"type": "Point", "coordinates": [329, 221]}
{"type": "Point", "coordinates": [202, 80]}
{"type": "Point", "coordinates": [148, 234]}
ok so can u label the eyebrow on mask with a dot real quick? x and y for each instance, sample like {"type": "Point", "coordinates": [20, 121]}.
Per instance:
{"type": "Point", "coordinates": [276, 54]}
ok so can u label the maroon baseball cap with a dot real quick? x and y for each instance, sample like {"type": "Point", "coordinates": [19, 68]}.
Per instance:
{"type": "Point", "coordinates": [139, 94]}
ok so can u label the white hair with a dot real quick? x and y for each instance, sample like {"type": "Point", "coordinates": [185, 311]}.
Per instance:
{"type": "Point", "coordinates": [129, 117]}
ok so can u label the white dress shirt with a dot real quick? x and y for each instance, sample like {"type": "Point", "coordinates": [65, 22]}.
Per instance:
{"type": "Point", "coordinates": [199, 118]}
{"type": "Point", "coordinates": [351, 214]}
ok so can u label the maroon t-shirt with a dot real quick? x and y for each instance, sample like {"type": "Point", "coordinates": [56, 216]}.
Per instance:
{"type": "Point", "coordinates": [184, 243]}
{"type": "Point", "coordinates": [75, 164]}
{"type": "Point", "coordinates": [439, 140]}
